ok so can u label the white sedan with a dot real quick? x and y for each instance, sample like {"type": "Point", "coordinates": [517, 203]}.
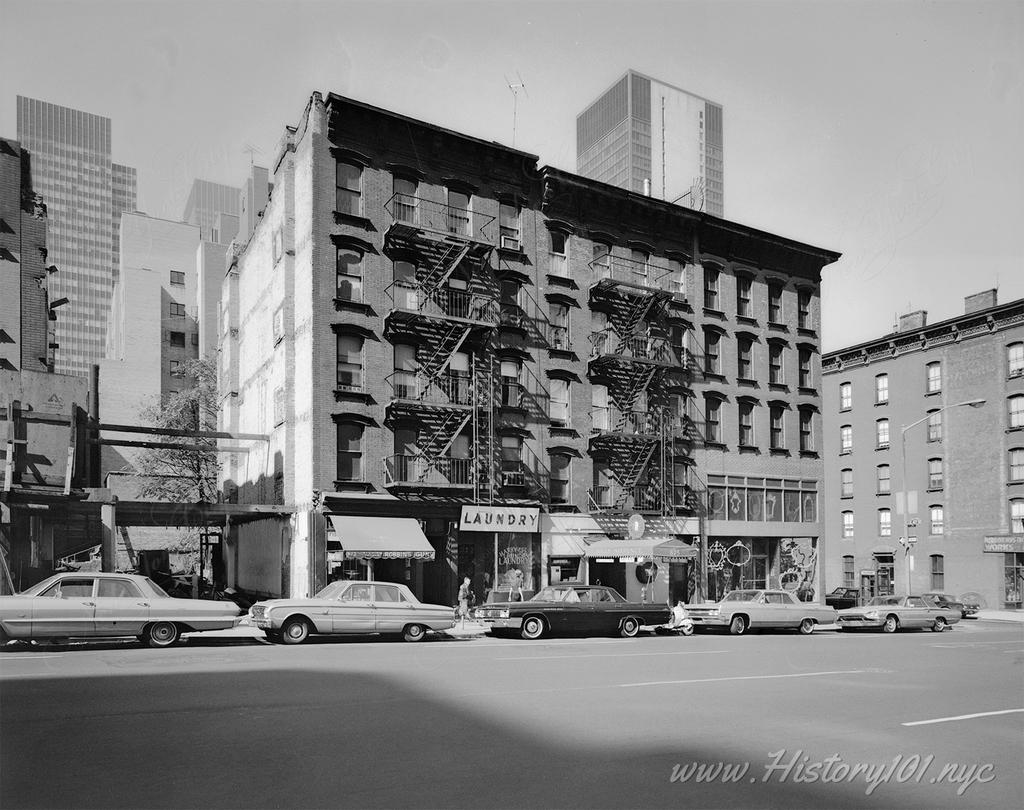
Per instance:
{"type": "Point", "coordinates": [348, 607]}
{"type": "Point", "coordinates": [104, 605]}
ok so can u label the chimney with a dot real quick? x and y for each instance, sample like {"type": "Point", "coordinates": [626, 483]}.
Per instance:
{"type": "Point", "coordinates": [980, 301]}
{"type": "Point", "coordinates": [913, 320]}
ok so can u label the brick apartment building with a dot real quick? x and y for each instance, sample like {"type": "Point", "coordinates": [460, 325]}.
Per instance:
{"type": "Point", "coordinates": [949, 399]}
{"type": "Point", "coordinates": [469, 365]}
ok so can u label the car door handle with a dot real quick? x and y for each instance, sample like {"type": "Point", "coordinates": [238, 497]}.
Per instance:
{"type": "Point", "coordinates": [90, 604]}
{"type": "Point", "coordinates": [142, 604]}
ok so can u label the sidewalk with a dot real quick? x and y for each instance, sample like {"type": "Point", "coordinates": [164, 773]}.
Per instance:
{"type": "Point", "coordinates": [1000, 616]}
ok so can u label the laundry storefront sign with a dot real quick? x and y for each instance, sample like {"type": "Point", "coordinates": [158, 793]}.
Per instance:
{"type": "Point", "coordinates": [499, 519]}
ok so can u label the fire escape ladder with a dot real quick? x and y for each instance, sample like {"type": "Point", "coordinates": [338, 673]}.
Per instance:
{"type": "Point", "coordinates": [638, 312]}
{"type": "Point", "coordinates": [638, 381]}
{"type": "Point", "coordinates": [536, 475]}
{"type": "Point", "coordinates": [639, 458]}
{"type": "Point", "coordinates": [450, 258]}
{"type": "Point", "coordinates": [451, 341]}
{"type": "Point", "coordinates": [439, 442]}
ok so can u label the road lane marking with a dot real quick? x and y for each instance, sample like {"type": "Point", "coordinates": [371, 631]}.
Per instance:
{"type": "Point", "coordinates": [955, 645]}
{"type": "Point", "coordinates": [754, 677]}
{"type": "Point", "coordinates": [610, 655]}
{"type": "Point", "coordinates": [961, 717]}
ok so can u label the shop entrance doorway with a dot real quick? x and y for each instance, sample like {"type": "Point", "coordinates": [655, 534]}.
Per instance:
{"type": "Point", "coordinates": [612, 574]}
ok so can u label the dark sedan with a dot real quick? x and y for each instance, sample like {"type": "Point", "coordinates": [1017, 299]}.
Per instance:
{"type": "Point", "coordinates": [842, 598]}
{"type": "Point", "coordinates": [947, 600]}
{"type": "Point", "coordinates": [578, 610]}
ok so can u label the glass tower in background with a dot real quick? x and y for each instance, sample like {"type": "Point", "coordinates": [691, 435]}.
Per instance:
{"type": "Point", "coordinates": [85, 194]}
{"type": "Point", "coordinates": [205, 201]}
{"type": "Point", "coordinates": [650, 137]}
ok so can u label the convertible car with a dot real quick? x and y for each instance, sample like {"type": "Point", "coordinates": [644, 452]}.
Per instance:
{"type": "Point", "coordinates": [890, 613]}
{"type": "Point", "coordinates": [102, 605]}
{"type": "Point", "coordinates": [349, 607]}
{"type": "Point", "coordinates": [572, 610]}
{"type": "Point", "coordinates": [742, 610]}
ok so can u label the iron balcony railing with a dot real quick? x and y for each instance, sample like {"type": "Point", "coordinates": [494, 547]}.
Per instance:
{"type": "Point", "coordinates": [416, 470]}
{"type": "Point", "coordinates": [609, 499]}
{"type": "Point", "coordinates": [634, 347]}
{"type": "Point", "coordinates": [444, 302]}
{"type": "Point", "coordinates": [440, 218]}
{"type": "Point", "coordinates": [446, 388]}
{"type": "Point", "coordinates": [609, 419]}
{"type": "Point", "coordinates": [644, 275]}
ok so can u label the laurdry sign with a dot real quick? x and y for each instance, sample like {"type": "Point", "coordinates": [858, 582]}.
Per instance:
{"type": "Point", "coordinates": [498, 519]}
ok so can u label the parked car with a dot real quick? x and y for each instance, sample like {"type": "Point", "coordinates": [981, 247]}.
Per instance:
{"type": "Point", "coordinates": [947, 600]}
{"type": "Point", "coordinates": [890, 613]}
{"type": "Point", "coordinates": [348, 607]}
{"type": "Point", "coordinates": [104, 605]}
{"type": "Point", "coordinates": [842, 598]}
{"type": "Point", "coordinates": [743, 610]}
{"type": "Point", "coordinates": [578, 610]}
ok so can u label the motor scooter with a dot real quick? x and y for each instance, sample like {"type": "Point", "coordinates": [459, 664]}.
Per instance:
{"type": "Point", "coordinates": [679, 624]}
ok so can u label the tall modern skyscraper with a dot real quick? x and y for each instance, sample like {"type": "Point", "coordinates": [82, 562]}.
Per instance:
{"type": "Point", "coordinates": [650, 137]}
{"type": "Point", "coordinates": [85, 194]}
{"type": "Point", "coordinates": [205, 201]}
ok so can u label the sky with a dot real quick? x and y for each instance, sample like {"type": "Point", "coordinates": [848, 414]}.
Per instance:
{"type": "Point", "coordinates": [888, 130]}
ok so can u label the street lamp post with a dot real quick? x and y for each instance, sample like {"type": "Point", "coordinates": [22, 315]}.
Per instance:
{"type": "Point", "coordinates": [905, 538]}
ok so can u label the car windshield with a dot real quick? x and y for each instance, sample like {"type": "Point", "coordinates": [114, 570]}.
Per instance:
{"type": "Point", "coordinates": [741, 596]}
{"type": "Point", "coordinates": [332, 590]}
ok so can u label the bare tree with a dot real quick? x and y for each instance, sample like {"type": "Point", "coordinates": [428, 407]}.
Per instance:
{"type": "Point", "coordinates": [187, 475]}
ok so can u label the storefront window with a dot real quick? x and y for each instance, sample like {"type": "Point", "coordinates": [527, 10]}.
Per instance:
{"type": "Point", "coordinates": [518, 564]}
{"type": "Point", "coordinates": [564, 569]}
{"type": "Point", "coordinates": [738, 563]}
{"type": "Point", "coordinates": [1013, 568]}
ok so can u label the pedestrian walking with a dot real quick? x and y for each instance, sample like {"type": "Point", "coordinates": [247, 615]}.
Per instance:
{"type": "Point", "coordinates": [465, 595]}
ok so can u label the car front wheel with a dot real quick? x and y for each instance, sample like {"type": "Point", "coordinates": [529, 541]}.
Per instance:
{"type": "Point", "coordinates": [940, 624]}
{"type": "Point", "coordinates": [738, 626]}
{"type": "Point", "coordinates": [533, 628]}
{"type": "Point", "coordinates": [630, 627]}
{"type": "Point", "coordinates": [891, 624]}
{"type": "Point", "coordinates": [414, 632]}
{"type": "Point", "coordinates": [162, 634]}
{"type": "Point", "coordinates": [807, 626]}
{"type": "Point", "coordinates": [295, 631]}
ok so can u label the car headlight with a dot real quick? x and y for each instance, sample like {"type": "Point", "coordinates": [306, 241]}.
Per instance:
{"type": "Point", "coordinates": [503, 614]}
{"type": "Point", "coordinates": [871, 614]}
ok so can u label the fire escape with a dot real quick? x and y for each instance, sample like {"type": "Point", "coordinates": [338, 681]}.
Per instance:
{"type": "Point", "coordinates": [445, 304]}
{"type": "Point", "coordinates": [638, 439]}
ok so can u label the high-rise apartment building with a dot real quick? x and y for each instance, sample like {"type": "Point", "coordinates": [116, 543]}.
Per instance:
{"type": "Point", "coordinates": [652, 138]}
{"type": "Point", "coordinates": [85, 194]}
{"type": "Point", "coordinates": [924, 441]}
{"type": "Point", "coordinates": [524, 361]}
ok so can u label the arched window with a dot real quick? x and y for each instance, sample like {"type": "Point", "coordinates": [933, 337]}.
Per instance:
{"type": "Point", "coordinates": [935, 426]}
{"type": "Point", "coordinates": [933, 377]}
{"type": "Point", "coordinates": [881, 389]}
{"type": "Point", "coordinates": [348, 188]}
{"type": "Point", "coordinates": [845, 396]}
{"type": "Point", "coordinates": [884, 480]}
{"type": "Point", "coordinates": [713, 419]}
{"type": "Point", "coordinates": [1015, 359]}
{"type": "Point", "coordinates": [938, 572]}
{"type": "Point", "coordinates": [350, 274]}
{"type": "Point", "coordinates": [847, 525]}
{"type": "Point", "coordinates": [806, 430]}
{"type": "Point", "coordinates": [935, 480]}
{"type": "Point", "coordinates": [1015, 411]}
{"type": "Point", "coordinates": [937, 523]}
{"type": "Point", "coordinates": [846, 439]}
{"type": "Point", "coordinates": [884, 523]}
{"type": "Point", "coordinates": [882, 434]}
{"type": "Point", "coordinates": [846, 483]}
{"type": "Point", "coordinates": [1017, 464]}
{"type": "Point", "coordinates": [849, 572]}
{"type": "Point", "coordinates": [746, 423]}
{"type": "Point", "coordinates": [711, 280]}
{"type": "Point", "coordinates": [1017, 516]}
{"type": "Point", "coordinates": [776, 363]}
{"type": "Point", "coordinates": [744, 306]}
{"type": "Point", "coordinates": [712, 351]}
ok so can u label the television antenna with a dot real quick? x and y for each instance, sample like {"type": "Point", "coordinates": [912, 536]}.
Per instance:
{"type": "Point", "coordinates": [252, 150]}
{"type": "Point", "coordinates": [515, 87]}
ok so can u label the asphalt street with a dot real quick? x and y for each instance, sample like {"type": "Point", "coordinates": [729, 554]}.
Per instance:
{"type": "Point", "coordinates": [912, 720]}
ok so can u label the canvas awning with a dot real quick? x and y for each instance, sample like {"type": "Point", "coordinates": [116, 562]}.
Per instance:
{"type": "Point", "coordinates": [569, 533]}
{"type": "Point", "coordinates": [658, 548]}
{"type": "Point", "coordinates": [381, 538]}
